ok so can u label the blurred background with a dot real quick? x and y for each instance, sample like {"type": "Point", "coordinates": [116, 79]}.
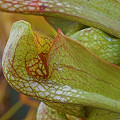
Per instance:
{"type": "Point", "coordinates": [13, 105]}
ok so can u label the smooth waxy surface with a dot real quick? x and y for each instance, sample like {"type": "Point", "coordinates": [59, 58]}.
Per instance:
{"type": "Point", "coordinates": [100, 14]}
{"type": "Point", "coordinates": [61, 72]}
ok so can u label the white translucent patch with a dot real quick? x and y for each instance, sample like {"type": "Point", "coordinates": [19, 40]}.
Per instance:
{"type": "Point", "coordinates": [11, 9]}
{"type": "Point", "coordinates": [67, 5]}
{"type": "Point", "coordinates": [66, 89]}
{"type": "Point", "coordinates": [53, 91]}
{"type": "Point", "coordinates": [86, 33]}
{"type": "Point", "coordinates": [80, 92]}
{"type": "Point", "coordinates": [56, 86]}
{"type": "Point", "coordinates": [59, 4]}
{"type": "Point", "coordinates": [114, 53]}
{"type": "Point", "coordinates": [40, 4]}
{"type": "Point", "coordinates": [24, 8]}
{"type": "Point", "coordinates": [46, 4]}
{"type": "Point", "coordinates": [50, 5]}
{"type": "Point", "coordinates": [46, 116]}
{"type": "Point", "coordinates": [4, 5]}
{"type": "Point", "coordinates": [29, 89]}
{"type": "Point", "coordinates": [110, 46]}
{"type": "Point", "coordinates": [49, 81]}
{"type": "Point", "coordinates": [31, 93]}
{"type": "Point", "coordinates": [81, 34]}
{"type": "Point", "coordinates": [46, 87]}
{"type": "Point", "coordinates": [21, 9]}
{"type": "Point", "coordinates": [57, 97]}
{"type": "Point", "coordinates": [63, 99]}
{"type": "Point", "coordinates": [34, 84]}
{"type": "Point", "coordinates": [95, 37]}
{"type": "Point", "coordinates": [49, 85]}
{"type": "Point", "coordinates": [31, 78]}
{"type": "Point", "coordinates": [46, 93]}
{"type": "Point", "coordinates": [59, 92]}
{"type": "Point", "coordinates": [109, 39]}
{"type": "Point", "coordinates": [18, 87]}
{"type": "Point", "coordinates": [9, 4]}
{"type": "Point", "coordinates": [8, 75]}
{"type": "Point", "coordinates": [77, 8]}
{"type": "Point", "coordinates": [26, 84]}
{"type": "Point", "coordinates": [44, 1]}
{"type": "Point", "coordinates": [77, 95]}
{"type": "Point", "coordinates": [13, 83]}
{"type": "Point", "coordinates": [61, 10]}
{"type": "Point", "coordinates": [12, 78]}
{"type": "Point", "coordinates": [14, 2]}
{"type": "Point", "coordinates": [69, 93]}
{"type": "Point", "coordinates": [115, 45]}
{"type": "Point", "coordinates": [41, 88]}
{"type": "Point", "coordinates": [36, 88]}
{"type": "Point", "coordinates": [52, 95]}
{"type": "Point", "coordinates": [60, 88]}
{"type": "Point", "coordinates": [110, 50]}
{"type": "Point", "coordinates": [41, 94]}
{"type": "Point", "coordinates": [107, 54]}
{"type": "Point", "coordinates": [73, 90]}
{"type": "Point", "coordinates": [59, 68]}
{"type": "Point", "coordinates": [31, 8]}
{"type": "Point", "coordinates": [21, 84]}
{"type": "Point", "coordinates": [51, 1]}
{"type": "Point", "coordinates": [88, 28]}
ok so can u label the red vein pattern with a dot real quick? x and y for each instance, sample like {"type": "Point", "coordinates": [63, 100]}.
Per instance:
{"type": "Point", "coordinates": [75, 75]}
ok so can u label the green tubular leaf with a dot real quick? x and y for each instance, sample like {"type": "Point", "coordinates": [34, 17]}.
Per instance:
{"type": "Point", "coordinates": [25, 65]}
{"type": "Point", "coordinates": [88, 76]}
{"type": "Point", "coordinates": [100, 14]}
{"type": "Point", "coordinates": [62, 73]}
{"type": "Point", "coordinates": [47, 113]}
{"type": "Point", "coordinates": [68, 27]}
{"type": "Point", "coordinates": [101, 44]}
{"type": "Point", "coordinates": [44, 113]}
{"type": "Point", "coordinates": [24, 56]}
{"type": "Point", "coordinates": [98, 114]}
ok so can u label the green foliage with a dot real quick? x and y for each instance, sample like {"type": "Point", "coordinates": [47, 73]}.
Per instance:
{"type": "Point", "coordinates": [67, 72]}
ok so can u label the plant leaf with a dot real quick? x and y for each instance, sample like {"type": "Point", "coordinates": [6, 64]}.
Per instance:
{"type": "Point", "coordinates": [100, 43]}
{"type": "Point", "coordinates": [68, 27]}
{"type": "Point", "coordinates": [47, 113]}
{"type": "Point", "coordinates": [62, 73]}
{"type": "Point", "coordinates": [99, 14]}
{"type": "Point", "coordinates": [27, 51]}
{"type": "Point", "coordinates": [74, 65]}
{"type": "Point", "coordinates": [98, 114]}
